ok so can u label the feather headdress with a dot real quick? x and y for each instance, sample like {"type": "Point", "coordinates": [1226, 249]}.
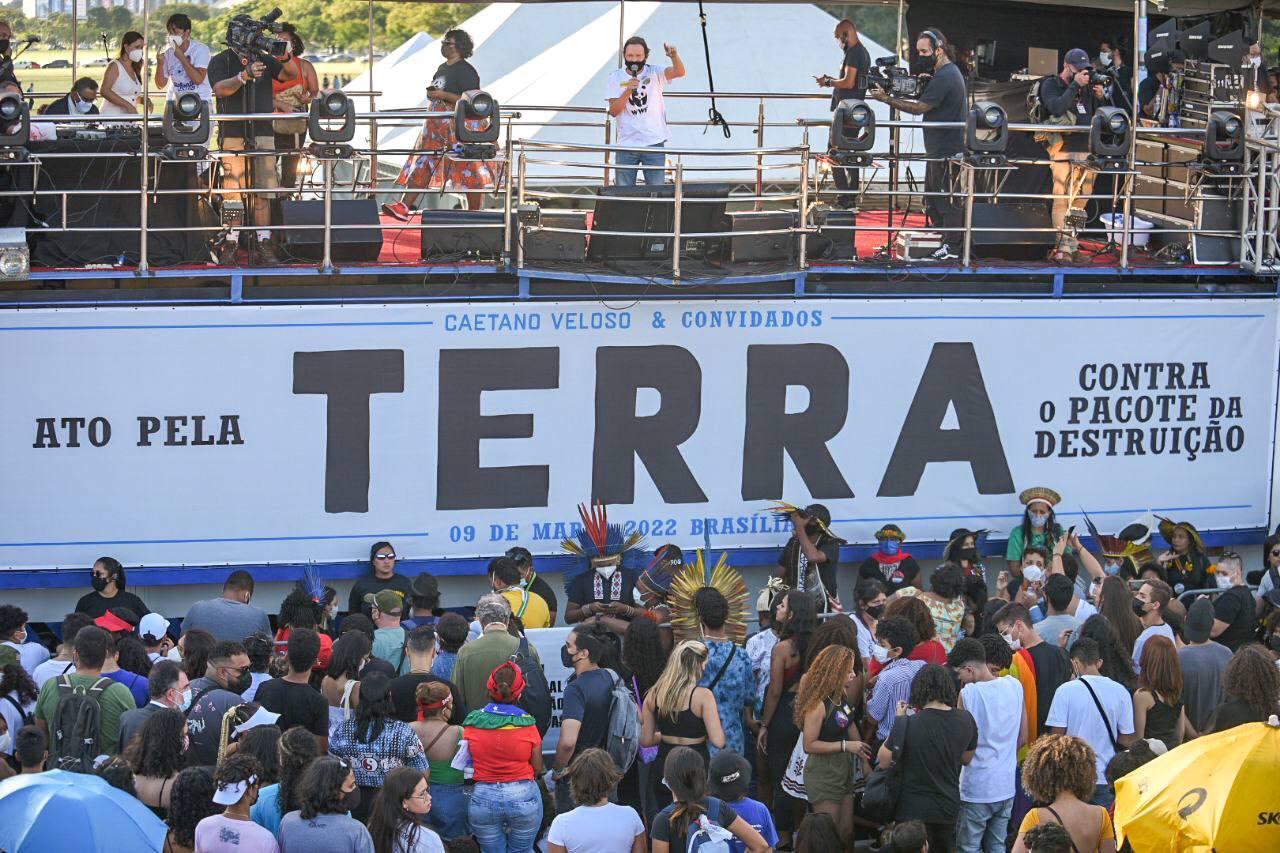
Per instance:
{"type": "Point", "coordinates": [1133, 544]}
{"type": "Point", "coordinates": [783, 510]}
{"type": "Point", "coordinates": [600, 543]}
{"type": "Point", "coordinates": [693, 577]}
{"type": "Point", "coordinates": [654, 583]}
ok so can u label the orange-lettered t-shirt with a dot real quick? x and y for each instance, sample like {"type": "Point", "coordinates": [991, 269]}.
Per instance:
{"type": "Point", "coordinates": [503, 755]}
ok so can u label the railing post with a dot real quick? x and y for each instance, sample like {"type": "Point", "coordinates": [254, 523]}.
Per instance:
{"type": "Point", "coordinates": [519, 203]}
{"type": "Point", "coordinates": [510, 211]}
{"type": "Point", "coordinates": [675, 219]}
{"type": "Point", "coordinates": [143, 266]}
{"type": "Point", "coordinates": [327, 264]}
{"type": "Point", "coordinates": [373, 124]}
{"type": "Point", "coordinates": [968, 171]}
{"type": "Point", "coordinates": [608, 135]}
{"type": "Point", "coordinates": [760, 157]}
{"type": "Point", "coordinates": [802, 258]}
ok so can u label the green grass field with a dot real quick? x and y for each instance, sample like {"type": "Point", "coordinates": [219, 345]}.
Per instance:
{"type": "Point", "coordinates": [58, 80]}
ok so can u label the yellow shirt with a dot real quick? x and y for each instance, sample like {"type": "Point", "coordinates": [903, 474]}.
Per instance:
{"type": "Point", "coordinates": [529, 606]}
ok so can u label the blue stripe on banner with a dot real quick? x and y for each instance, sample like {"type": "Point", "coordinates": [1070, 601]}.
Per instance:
{"type": "Point", "coordinates": [143, 576]}
{"type": "Point", "coordinates": [161, 327]}
{"type": "Point", "coordinates": [370, 536]}
{"type": "Point", "coordinates": [1019, 317]}
{"type": "Point", "coordinates": [1135, 511]}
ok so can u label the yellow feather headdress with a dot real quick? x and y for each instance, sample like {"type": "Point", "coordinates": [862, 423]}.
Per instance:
{"type": "Point", "coordinates": [693, 577]}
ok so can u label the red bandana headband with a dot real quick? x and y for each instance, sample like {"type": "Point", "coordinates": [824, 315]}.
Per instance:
{"type": "Point", "coordinates": [517, 685]}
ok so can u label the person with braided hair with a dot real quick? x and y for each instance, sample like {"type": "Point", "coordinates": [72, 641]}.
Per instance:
{"type": "Point", "coordinates": [298, 748]}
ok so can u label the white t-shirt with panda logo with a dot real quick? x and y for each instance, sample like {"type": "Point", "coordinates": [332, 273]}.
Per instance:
{"type": "Point", "coordinates": [643, 121]}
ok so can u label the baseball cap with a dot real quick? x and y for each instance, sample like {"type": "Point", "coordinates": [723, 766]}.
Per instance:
{"type": "Point", "coordinates": [388, 601]}
{"type": "Point", "coordinates": [8, 655]}
{"type": "Point", "coordinates": [1077, 58]}
{"type": "Point", "coordinates": [728, 776]}
{"type": "Point", "coordinates": [112, 623]}
{"type": "Point", "coordinates": [153, 625]}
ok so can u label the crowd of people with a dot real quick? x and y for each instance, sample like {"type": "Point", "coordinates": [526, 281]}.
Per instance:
{"type": "Point", "coordinates": [965, 708]}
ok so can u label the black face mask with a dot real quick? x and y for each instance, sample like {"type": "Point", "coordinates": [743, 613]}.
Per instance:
{"type": "Point", "coordinates": [922, 64]}
{"type": "Point", "coordinates": [875, 610]}
{"type": "Point", "coordinates": [968, 554]}
{"type": "Point", "coordinates": [1273, 642]}
{"type": "Point", "coordinates": [565, 657]}
{"type": "Point", "coordinates": [351, 801]}
{"type": "Point", "coordinates": [99, 584]}
{"type": "Point", "coordinates": [634, 68]}
{"type": "Point", "coordinates": [1139, 607]}
{"type": "Point", "coordinates": [241, 684]}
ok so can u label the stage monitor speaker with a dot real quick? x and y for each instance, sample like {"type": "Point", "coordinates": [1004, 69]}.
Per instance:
{"type": "Point", "coordinates": [558, 245]}
{"type": "Point", "coordinates": [761, 247]}
{"type": "Point", "coordinates": [1216, 213]}
{"type": "Point", "coordinates": [835, 237]}
{"type": "Point", "coordinates": [354, 244]}
{"type": "Point", "coordinates": [1011, 241]}
{"type": "Point", "coordinates": [452, 235]}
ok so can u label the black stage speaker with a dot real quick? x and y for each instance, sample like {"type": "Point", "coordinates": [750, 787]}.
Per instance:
{"type": "Point", "coordinates": [445, 239]}
{"type": "Point", "coordinates": [355, 244]}
{"type": "Point", "coordinates": [1011, 241]}
{"type": "Point", "coordinates": [558, 245]}
{"type": "Point", "coordinates": [1216, 213]}
{"type": "Point", "coordinates": [835, 242]}
{"type": "Point", "coordinates": [761, 247]}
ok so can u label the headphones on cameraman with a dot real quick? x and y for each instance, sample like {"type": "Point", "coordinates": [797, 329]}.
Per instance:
{"type": "Point", "coordinates": [935, 38]}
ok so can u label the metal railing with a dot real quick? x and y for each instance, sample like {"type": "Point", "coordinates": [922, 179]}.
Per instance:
{"type": "Point", "coordinates": [790, 179]}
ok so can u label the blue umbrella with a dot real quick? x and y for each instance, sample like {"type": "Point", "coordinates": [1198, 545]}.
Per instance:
{"type": "Point", "coordinates": [61, 811]}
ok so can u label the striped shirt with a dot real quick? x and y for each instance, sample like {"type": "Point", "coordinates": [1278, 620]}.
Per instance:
{"type": "Point", "coordinates": [893, 685]}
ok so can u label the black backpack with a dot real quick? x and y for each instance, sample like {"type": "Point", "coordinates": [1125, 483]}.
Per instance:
{"type": "Point", "coordinates": [536, 698]}
{"type": "Point", "coordinates": [27, 719]}
{"type": "Point", "coordinates": [76, 730]}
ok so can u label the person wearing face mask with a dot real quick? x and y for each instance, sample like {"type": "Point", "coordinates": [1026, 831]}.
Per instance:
{"type": "Point", "coordinates": [122, 81]}
{"type": "Point", "coordinates": [81, 100]}
{"type": "Point", "coordinates": [108, 580]}
{"type": "Point", "coordinates": [604, 593]}
{"type": "Point", "coordinates": [531, 581]}
{"type": "Point", "coordinates": [13, 633]}
{"type": "Point", "coordinates": [1039, 666]}
{"type": "Point", "coordinates": [635, 96]}
{"type": "Point", "coordinates": [855, 64]}
{"type": "Point", "coordinates": [895, 639]}
{"type": "Point", "coordinates": [167, 687]}
{"type": "Point", "coordinates": [1235, 609]}
{"type": "Point", "coordinates": [944, 100]}
{"type": "Point", "coordinates": [327, 794]}
{"type": "Point", "coordinates": [584, 719]}
{"type": "Point", "coordinates": [1039, 527]}
{"type": "Point", "coordinates": [869, 601]}
{"type": "Point", "coordinates": [182, 62]}
{"type": "Point", "coordinates": [226, 678]}
{"type": "Point", "coordinates": [233, 831]}
{"type": "Point", "coordinates": [526, 605]}
{"type": "Point", "coordinates": [422, 170]}
{"type": "Point", "coordinates": [889, 564]}
{"type": "Point", "coordinates": [1149, 603]}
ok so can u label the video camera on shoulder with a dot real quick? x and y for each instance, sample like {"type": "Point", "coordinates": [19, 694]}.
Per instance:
{"type": "Point", "coordinates": [894, 79]}
{"type": "Point", "coordinates": [251, 37]}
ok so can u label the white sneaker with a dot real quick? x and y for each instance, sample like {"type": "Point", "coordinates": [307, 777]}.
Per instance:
{"type": "Point", "coordinates": [943, 253]}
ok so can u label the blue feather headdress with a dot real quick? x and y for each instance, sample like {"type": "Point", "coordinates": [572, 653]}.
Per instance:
{"type": "Point", "coordinates": [600, 543]}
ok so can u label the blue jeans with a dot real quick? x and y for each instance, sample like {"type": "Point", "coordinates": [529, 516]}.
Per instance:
{"type": "Point", "coordinates": [506, 816]}
{"type": "Point", "coordinates": [1103, 796]}
{"type": "Point", "coordinates": [448, 815]}
{"type": "Point", "coordinates": [652, 177]}
{"type": "Point", "coordinates": [982, 826]}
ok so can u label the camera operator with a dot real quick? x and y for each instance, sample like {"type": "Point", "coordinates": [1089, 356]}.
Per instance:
{"type": "Point", "coordinates": [1072, 93]}
{"type": "Point", "coordinates": [943, 100]}
{"type": "Point", "coordinates": [855, 63]}
{"type": "Point", "coordinates": [242, 84]}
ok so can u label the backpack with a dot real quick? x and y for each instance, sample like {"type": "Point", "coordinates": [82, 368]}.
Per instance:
{"type": "Point", "coordinates": [76, 729]}
{"type": "Point", "coordinates": [27, 719]}
{"type": "Point", "coordinates": [709, 836]}
{"type": "Point", "coordinates": [536, 698]}
{"type": "Point", "coordinates": [1038, 113]}
{"type": "Point", "coordinates": [622, 741]}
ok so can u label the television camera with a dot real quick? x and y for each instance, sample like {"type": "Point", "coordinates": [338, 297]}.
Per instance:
{"type": "Point", "coordinates": [894, 79]}
{"type": "Point", "coordinates": [251, 37]}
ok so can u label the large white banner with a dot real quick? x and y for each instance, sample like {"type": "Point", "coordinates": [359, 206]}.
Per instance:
{"type": "Point", "coordinates": [171, 436]}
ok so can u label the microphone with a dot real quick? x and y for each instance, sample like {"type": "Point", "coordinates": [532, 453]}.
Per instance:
{"type": "Point", "coordinates": [32, 39]}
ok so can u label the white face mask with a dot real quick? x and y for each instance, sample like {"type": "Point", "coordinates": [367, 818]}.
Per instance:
{"type": "Point", "coordinates": [1039, 519]}
{"type": "Point", "coordinates": [135, 55]}
{"type": "Point", "coordinates": [1105, 57]}
{"type": "Point", "coordinates": [175, 40]}
{"type": "Point", "coordinates": [1224, 581]}
{"type": "Point", "coordinates": [6, 743]}
{"type": "Point", "coordinates": [606, 572]}
{"type": "Point", "coordinates": [1255, 60]}
{"type": "Point", "coordinates": [880, 653]}
{"type": "Point", "coordinates": [83, 107]}
{"type": "Point", "coordinates": [22, 639]}
{"type": "Point", "coordinates": [174, 655]}
{"type": "Point", "coordinates": [186, 699]}
{"type": "Point", "coordinates": [1013, 644]}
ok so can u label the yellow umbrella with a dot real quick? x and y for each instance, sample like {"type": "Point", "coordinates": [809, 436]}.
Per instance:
{"type": "Point", "coordinates": [1217, 792]}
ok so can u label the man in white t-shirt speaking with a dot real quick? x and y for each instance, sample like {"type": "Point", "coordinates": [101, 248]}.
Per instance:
{"type": "Point", "coordinates": [182, 63]}
{"type": "Point", "coordinates": [635, 100]}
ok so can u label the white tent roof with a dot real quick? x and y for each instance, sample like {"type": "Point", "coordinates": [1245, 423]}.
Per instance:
{"type": "Point", "coordinates": [557, 55]}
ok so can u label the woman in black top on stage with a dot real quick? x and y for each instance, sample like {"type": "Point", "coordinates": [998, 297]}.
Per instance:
{"type": "Point", "coordinates": [677, 712]}
{"type": "Point", "coordinates": [109, 591]}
